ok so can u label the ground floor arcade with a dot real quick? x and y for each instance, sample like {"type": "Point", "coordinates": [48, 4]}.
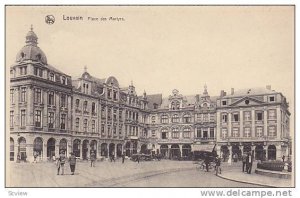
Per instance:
{"type": "Point", "coordinates": [261, 151]}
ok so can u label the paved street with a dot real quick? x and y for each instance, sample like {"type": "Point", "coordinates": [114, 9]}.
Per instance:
{"type": "Point", "coordinates": [163, 173]}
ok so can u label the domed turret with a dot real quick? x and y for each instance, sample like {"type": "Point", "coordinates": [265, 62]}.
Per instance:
{"type": "Point", "coordinates": [31, 51]}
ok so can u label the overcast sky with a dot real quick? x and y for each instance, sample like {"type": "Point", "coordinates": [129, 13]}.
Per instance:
{"type": "Point", "coordinates": [163, 48]}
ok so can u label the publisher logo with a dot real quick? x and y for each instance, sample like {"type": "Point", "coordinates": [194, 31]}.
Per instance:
{"type": "Point", "coordinates": [50, 19]}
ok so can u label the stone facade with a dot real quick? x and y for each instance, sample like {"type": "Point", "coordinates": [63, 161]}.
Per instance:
{"type": "Point", "coordinates": [52, 113]}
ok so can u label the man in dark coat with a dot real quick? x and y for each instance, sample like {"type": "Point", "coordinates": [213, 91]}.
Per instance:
{"type": "Point", "coordinates": [247, 162]}
{"type": "Point", "coordinates": [72, 161]}
{"type": "Point", "coordinates": [206, 161]}
{"type": "Point", "coordinates": [123, 158]}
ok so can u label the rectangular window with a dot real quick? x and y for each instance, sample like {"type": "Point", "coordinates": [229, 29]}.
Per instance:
{"type": "Point", "coordinates": [247, 132]}
{"type": "Point", "coordinates": [175, 135]}
{"type": "Point", "coordinates": [236, 117]}
{"type": "Point", "coordinates": [212, 132]}
{"type": "Point", "coordinates": [103, 111]}
{"type": "Point", "coordinates": [224, 118]}
{"type": "Point", "coordinates": [259, 131]}
{"type": "Point", "coordinates": [23, 70]}
{"type": "Point", "coordinates": [120, 115]}
{"type": "Point", "coordinates": [115, 95]}
{"type": "Point", "coordinates": [212, 117]}
{"type": "Point", "coordinates": [205, 134]}
{"type": "Point", "coordinates": [50, 120]}
{"type": "Point", "coordinates": [115, 115]}
{"type": "Point", "coordinates": [272, 114]}
{"type": "Point", "coordinates": [12, 99]}
{"type": "Point", "coordinates": [272, 131]}
{"type": "Point", "coordinates": [37, 95]}
{"type": "Point", "coordinates": [77, 124]}
{"type": "Point", "coordinates": [93, 126]}
{"type": "Point", "coordinates": [164, 135]}
{"type": "Point", "coordinates": [63, 100]}
{"type": "Point", "coordinates": [37, 118]}
{"type": "Point", "coordinates": [120, 129]}
{"type": "Point", "coordinates": [102, 129]}
{"type": "Point", "coordinates": [186, 134]}
{"type": "Point", "coordinates": [247, 115]}
{"type": "Point", "coordinates": [198, 132]}
{"type": "Point", "coordinates": [11, 119]}
{"type": "Point", "coordinates": [259, 116]}
{"type": "Point", "coordinates": [205, 117]}
{"type": "Point", "coordinates": [115, 129]}
{"type": "Point", "coordinates": [235, 132]}
{"type": "Point", "coordinates": [51, 98]}
{"type": "Point", "coordinates": [93, 108]}
{"type": "Point", "coordinates": [224, 133]}
{"type": "Point", "coordinates": [63, 121]}
{"type": "Point", "coordinates": [272, 99]}
{"type": "Point", "coordinates": [224, 103]}
{"type": "Point", "coordinates": [153, 133]}
{"type": "Point", "coordinates": [85, 125]}
{"type": "Point", "coordinates": [23, 94]}
{"type": "Point", "coordinates": [23, 118]}
{"type": "Point", "coordinates": [85, 103]}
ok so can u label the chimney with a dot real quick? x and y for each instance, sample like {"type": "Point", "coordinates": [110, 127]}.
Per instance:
{"type": "Point", "coordinates": [268, 87]}
{"type": "Point", "coordinates": [232, 91]}
{"type": "Point", "coordinates": [223, 93]}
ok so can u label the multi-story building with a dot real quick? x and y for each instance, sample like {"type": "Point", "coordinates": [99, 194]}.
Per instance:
{"type": "Point", "coordinates": [255, 119]}
{"type": "Point", "coordinates": [50, 113]}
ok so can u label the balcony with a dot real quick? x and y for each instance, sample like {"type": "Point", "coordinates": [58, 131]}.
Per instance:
{"type": "Point", "coordinates": [175, 141]}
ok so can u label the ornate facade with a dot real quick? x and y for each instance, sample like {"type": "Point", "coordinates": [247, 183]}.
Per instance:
{"type": "Point", "coordinates": [50, 112]}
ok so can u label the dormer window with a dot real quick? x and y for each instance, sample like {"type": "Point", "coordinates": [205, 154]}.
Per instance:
{"type": "Point", "coordinates": [63, 80]}
{"type": "Point", "coordinates": [51, 77]}
{"type": "Point", "coordinates": [22, 54]}
{"type": "Point", "coordinates": [38, 56]}
{"type": "Point", "coordinates": [271, 99]}
{"type": "Point", "coordinates": [224, 103]}
{"type": "Point", "coordinates": [38, 72]}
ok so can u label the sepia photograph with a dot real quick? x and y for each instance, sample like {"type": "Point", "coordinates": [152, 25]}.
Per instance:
{"type": "Point", "coordinates": [150, 96]}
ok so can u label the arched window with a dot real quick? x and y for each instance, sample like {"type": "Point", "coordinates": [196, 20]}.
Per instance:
{"type": "Point", "coordinates": [52, 77]}
{"type": "Point", "coordinates": [85, 125]}
{"type": "Point", "coordinates": [187, 118]}
{"type": "Point", "coordinates": [186, 132]}
{"type": "Point", "coordinates": [175, 105]}
{"type": "Point", "coordinates": [175, 133]}
{"type": "Point", "coordinates": [63, 80]}
{"type": "Point", "coordinates": [85, 103]}
{"type": "Point", "coordinates": [77, 103]}
{"type": "Point", "coordinates": [175, 118]}
{"type": "Point", "coordinates": [77, 124]}
{"type": "Point", "coordinates": [164, 133]}
{"type": "Point", "coordinates": [164, 118]}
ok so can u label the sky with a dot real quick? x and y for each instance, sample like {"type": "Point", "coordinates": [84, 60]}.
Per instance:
{"type": "Point", "coordinates": [161, 48]}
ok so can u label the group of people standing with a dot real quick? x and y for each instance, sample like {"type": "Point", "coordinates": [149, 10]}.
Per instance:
{"type": "Point", "coordinates": [61, 161]}
{"type": "Point", "coordinates": [247, 159]}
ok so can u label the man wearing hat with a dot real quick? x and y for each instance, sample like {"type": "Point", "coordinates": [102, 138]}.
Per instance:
{"type": "Point", "coordinates": [72, 161]}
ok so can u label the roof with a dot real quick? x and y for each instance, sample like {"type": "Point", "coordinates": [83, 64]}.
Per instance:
{"type": "Point", "coordinates": [251, 91]}
{"type": "Point", "coordinates": [154, 99]}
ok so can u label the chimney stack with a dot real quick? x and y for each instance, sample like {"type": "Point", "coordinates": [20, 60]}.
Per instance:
{"type": "Point", "coordinates": [223, 93]}
{"type": "Point", "coordinates": [232, 91]}
{"type": "Point", "coordinates": [268, 87]}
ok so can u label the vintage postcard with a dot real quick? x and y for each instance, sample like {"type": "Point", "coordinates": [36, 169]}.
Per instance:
{"type": "Point", "coordinates": [150, 96]}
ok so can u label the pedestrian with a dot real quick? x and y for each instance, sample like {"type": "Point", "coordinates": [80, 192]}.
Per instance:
{"type": "Point", "coordinates": [35, 156]}
{"type": "Point", "coordinates": [138, 158]}
{"type": "Point", "coordinates": [283, 158]}
{"type": "Point", "coordinates": [206, 161]}
{"type": "Point", "coordinates": [218, 164]}
{"type": "Point", "coordinates": [61, 163]}
{"type": "Point", "coordinates": [247, 162]}
{"type": "Point", "coordinates": [123, 158]}
{"type": "Point", "coordinates": [244, 157]}
{"type": "Point", "coordinates": [250, 163]}
{"type": "Point", "coordinates": [93, 159]}
{"type": "Point", "coordinates": [72, 161]}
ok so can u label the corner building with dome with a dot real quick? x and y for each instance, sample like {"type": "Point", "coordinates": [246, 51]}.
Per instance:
{"type": "Point", "coordinates": [50, 112]}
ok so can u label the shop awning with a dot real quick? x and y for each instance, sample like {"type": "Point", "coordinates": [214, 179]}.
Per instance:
{"type": "Point", "coordinates": [203, 147]}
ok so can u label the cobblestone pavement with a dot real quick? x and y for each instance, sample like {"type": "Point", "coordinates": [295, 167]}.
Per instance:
{"type": "Point", "coordinates": [234, 173]}
{"type": "Point", "coordinates": [163, 173]}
